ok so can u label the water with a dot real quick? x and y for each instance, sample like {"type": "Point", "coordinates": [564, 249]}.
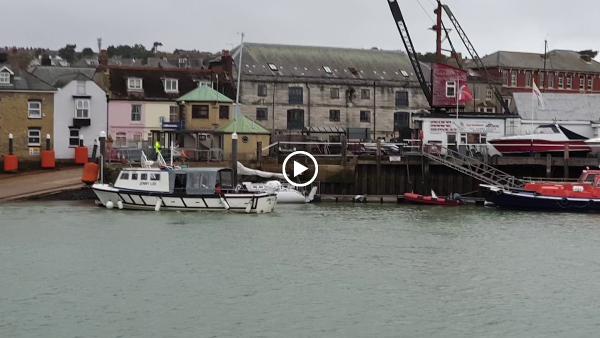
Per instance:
{"type": "Point", "coordinates": [72, 270]}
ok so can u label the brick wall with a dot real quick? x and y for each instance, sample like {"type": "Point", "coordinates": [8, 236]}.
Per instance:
{"type": "Point", "coordinates": [14, 119]}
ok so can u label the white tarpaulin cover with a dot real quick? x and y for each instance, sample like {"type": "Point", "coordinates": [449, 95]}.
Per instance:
{"type": "Point", "coordinates": [242, 170]}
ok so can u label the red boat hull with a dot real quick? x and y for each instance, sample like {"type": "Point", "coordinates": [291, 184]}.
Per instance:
{"type": "Point", "coordinates": [539, 146]}
{"type": "Point", "coordinates": [428, 200]}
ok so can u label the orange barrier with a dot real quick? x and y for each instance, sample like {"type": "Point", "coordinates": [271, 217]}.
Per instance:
{"type": "Point", "coordinates": [11, 163]}
{"type": "Point", "coordinates": [81, 155]}
{"type": "Point", "coordinates": [90, 173]}
{"type": "Point", "coordinates": [48, 159]}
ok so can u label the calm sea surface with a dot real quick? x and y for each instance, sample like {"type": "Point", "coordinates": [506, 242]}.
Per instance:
{"type": "Point", "coordinates": [69, 269]}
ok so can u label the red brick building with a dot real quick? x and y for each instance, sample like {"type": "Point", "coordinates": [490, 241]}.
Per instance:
{"type": "Point", "coordinates": [560, 71]}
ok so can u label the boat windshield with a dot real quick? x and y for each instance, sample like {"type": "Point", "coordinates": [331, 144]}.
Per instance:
{"type": "Point", "coordinates": [587, 178]}
{"type": "Point", "coordinates": [546, 130]}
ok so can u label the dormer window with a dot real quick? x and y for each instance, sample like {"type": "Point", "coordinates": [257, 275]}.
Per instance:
{"type": "Point", "coordinates": [327, 69]}
{"type": "Point", "coordinates": [171, 85]}
{"type": "Point", "coordinates": [273, 67]}
{"type": "Point", "coordinates": [5, 75]}
{"type": "Point", "coordinates": [134, 83]}
{"type": "Point", "coordinates": [4, 78]}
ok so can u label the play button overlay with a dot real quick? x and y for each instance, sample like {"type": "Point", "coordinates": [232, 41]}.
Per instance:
{"type": "Point", "coordinates": [297, 159]}
{"type": "Point", "coordinates": [299, 169]}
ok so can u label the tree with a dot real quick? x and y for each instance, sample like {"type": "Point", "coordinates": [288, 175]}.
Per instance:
{"type": "Point", "coordinates": [68, 52]}
{"type": "Point", "coordinates": [87, 52]}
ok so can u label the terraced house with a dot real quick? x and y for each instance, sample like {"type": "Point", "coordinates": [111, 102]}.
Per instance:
{"type": "Point", "coordinates": [363, 93]}
{"type": "Point", "coordinates": [26, 111]}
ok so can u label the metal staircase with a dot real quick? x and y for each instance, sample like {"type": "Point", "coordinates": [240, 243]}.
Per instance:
{"type": "Point", "coordinates": [471, 166]}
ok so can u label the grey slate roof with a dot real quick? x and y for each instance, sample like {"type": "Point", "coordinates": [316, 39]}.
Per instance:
{"type": "Point", "coordinates": [23, 80]}
{"type": "Point", "coordinates": [558, 60]}
{"type": "Point", "coordinates": [61, 76]}
{"type": "Point", "coordinates": [571, 107]}
{"type": "Point", "coordinates": [309, 62]}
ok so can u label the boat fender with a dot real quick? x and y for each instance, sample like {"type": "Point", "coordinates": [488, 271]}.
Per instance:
{"type": "Point", "coordinates": [110, 205]}
{"type": "Point", "coordinates": [90, 173]}
{"type": "Point", "coordinates": [157, 206]}
{"type": "Point", "coordinates": [224, 203]}
{"type": "Point", "coordinates": [120, 205]}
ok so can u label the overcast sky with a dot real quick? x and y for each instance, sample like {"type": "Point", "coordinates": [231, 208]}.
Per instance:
{"type": "Point", "coordinates": [520, 25]}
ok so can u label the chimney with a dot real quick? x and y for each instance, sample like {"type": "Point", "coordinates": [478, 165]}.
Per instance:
{"type": "Point", "coordinates": [103, 58]}
{"type": "Point", "coordinates": [46, 60]}
{"type": "Point", "coordinates": [227, 62]}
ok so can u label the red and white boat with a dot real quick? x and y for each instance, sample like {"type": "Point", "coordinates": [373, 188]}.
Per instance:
{"type": "Point", "coordinates": [431, 200]}
{"type": "Point", "coordinates": [549, 138]}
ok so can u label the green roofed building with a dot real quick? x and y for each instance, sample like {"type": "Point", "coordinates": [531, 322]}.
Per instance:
{"type": "Point", "coordinates": [250, 134]}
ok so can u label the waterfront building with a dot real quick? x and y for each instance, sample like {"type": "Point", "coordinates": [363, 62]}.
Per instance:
{"type": "Point", "coordinates": [364, 93]}
{"type": "Point", "coordinates": [558, 71]}
{"type": "Point", "coordinates": [80, 107]}
{"type": "Point", "coordinates": [143, 99]}
{"type": "Point", "coordinates": [26, 111]}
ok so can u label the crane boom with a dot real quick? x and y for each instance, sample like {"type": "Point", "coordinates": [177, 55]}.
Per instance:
{"type": "Point", "coordinates": [410, 49]}
{"type": "Point", "coordinates": [475, 57]}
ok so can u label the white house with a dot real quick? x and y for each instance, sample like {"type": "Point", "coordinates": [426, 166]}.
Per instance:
{"type": "Point", "coordinates": [80, 107]}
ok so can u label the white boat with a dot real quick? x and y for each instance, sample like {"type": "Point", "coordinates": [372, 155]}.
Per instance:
{"type": "Point", "coordinates": [190, 189]}
{"type": "Point", "coordinates": [285, 193]}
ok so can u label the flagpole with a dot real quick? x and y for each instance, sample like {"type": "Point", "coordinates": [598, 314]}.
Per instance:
{"type": "Point", "coordinates": [457, 128]}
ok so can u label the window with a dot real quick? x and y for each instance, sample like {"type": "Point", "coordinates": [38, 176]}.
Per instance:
{"type": "Point", "coordinates": [505, 77]}
{"type": "Point", "coordinates": [582, 83]}
{"type": "Point", "coordinates": [121, 140]}
{"type": "Point", "coordinates": [173, 114]}
{"type": "Point", "coordinates": [4, 78]}
{"type": "Point", "coordinates": [134, 83]}
{"type": "Point", "coordinates": [489, 95]}
{"type": "Point", "coordinates": [335, 93]}
{"type": "Point", "coordinates": [124, 176]}
{"type": "Point", "coordinates": [171, 85]}
{"type": "Point", "coordinates": [513, 79]}
{"type": "Point", "coordinates": [143, 177]}
{"type": "Point", "coordinates": [590, 83]}
{"type": "Point", "coordinates": [401, 99]}
{"type": "Point", "coordinates": [136, 112]}
{"type": "Point", "coordinates": [365, 94]}
{"type": "Point", "coordinates": [200, 112]}
{"type": "Point", "coordinates": [327, 69]}
{"type": "Point", "coordinates": [404, 73]}
{"type": "Point", "coordinates": [82, 109]}
{"type": "Point", "coordinates": [73, 137]}
{"type": "Point", "coordinates": [273, 67]}
{"type": "Point", "coordinates": [262, 114]}
{"type": "Point", "coordinates": [154, 177]}
{"type": "Point", "coordinates": [296, 95]}
{"type": "Point", "coordinates": [34, 137]}
{"type": "Point", "coordinates": [542, 84]}
{"type": "Point", "coordinates": [137, 137]}
{"type": "Point", "coordinates": [551, 80]}
{"type": "Point", "coordinates": [365, 116]}
{"type": "Point", "coordinates": [262, 90]}
{"type": "Point", "coordinates": [34, 109]}
{"type": "Point", "coordinates": [224, 112]}
{"type": "Point", "coordinates": [561, 82]}
{"type": "Point", "coordinates": [569, 82]}
{"type": "Point", "coordinates": [134, 176]}
{"type": "Point", "coordinates": [528, 79]}
{"type": "Point", "coordinates": [450, 88]}
{"type": "Point", "coordinates": [182, 62]}
{"type": "Point", "coordinates": [334, 115]}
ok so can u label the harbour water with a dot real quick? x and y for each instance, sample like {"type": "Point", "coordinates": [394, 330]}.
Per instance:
{"type": "Point", "coordinates": [70, 269]}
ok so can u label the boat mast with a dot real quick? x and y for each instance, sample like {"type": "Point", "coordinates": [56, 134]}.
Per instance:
{"type": "Point", "coordinates": [234, 136]}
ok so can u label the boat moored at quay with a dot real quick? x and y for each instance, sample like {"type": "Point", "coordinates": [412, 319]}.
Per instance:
{"type": "Point", "coordinates": [580, 196]}
{"type": "Point", "coordinates": [187, 189]}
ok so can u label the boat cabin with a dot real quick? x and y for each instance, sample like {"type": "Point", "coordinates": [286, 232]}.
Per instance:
{"type": "Point", "coordinates": [590, 176]}
{"type": "Point", "coordinates": [189, 181]}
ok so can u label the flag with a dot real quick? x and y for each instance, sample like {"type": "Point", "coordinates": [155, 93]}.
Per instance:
{"type": "Point", "coordinates": [465, 94]}
{"type": "Point", "coordinates": [538, 95]}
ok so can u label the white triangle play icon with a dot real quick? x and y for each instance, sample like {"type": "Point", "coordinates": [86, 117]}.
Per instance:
{"type": "Point", "coordinates": [299, 169]}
